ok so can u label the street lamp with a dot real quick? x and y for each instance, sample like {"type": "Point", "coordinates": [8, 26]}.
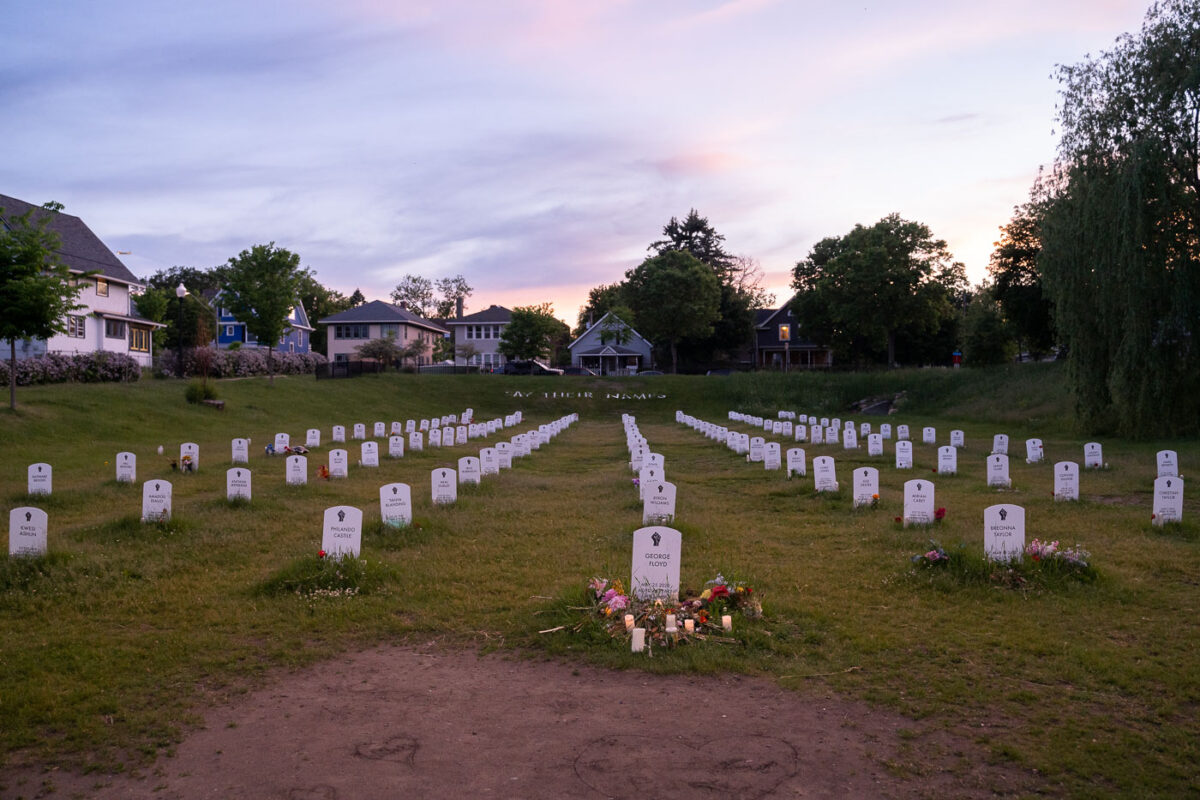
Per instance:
{"type": "Point", "coordinates": [180, 292]}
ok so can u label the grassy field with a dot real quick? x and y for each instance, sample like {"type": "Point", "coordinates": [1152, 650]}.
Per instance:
{"type": "Point", "coordinates": [110, 644]}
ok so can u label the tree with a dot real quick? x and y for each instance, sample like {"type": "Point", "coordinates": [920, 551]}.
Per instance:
{"type": "Point", "coordinates": [384, 350]}
{"type": "Point", "coordinates": [617, 326]}
{"type": "Point", "coordinates": [1017, 281]}
{"type": "Point", "coordinates": [320, 302]}
{"type": "Point", "coordinates": [531, 333]}
{"type": "Point", "coordinates": [600, 300]}
{"type": "Point", "coordinates": [986, 339]}
{"type": "Point", "coordinates": [416, 293]}
{"type": "Point", "coordinates": [197, 281]}
{"type": "Point", "coordinates": [261, 287]}
{"type": "Point", "coordinates": [36, 289]}
{"type": "Point", "coordinates": [415, 350]}
{"type": "Point", "coordinates": [453, 290]}
{"type": "Point", "coordinates": [862, 291]}
{"type": "Point", "coordinates": [465, 350]}
{"type": "Point", "coordinates": [1119, 255]}
{"type": "Point", "coordinates": [698, 238]}
{"type": "Point", "coordinates": [356, 298]}
{"type": "Point", "coordinates": [673, 296]}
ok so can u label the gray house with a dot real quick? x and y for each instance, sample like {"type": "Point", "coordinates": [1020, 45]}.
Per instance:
{"type": "Point", "coordinates": [610, 347]}
{"type": "Point", "coordinates": [480, 333]}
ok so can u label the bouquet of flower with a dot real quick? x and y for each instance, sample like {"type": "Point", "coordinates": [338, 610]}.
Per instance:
{"type": "Point", "coordinates": [1074, 558]}
{"type": "Point", "coordinates": [935, 557]}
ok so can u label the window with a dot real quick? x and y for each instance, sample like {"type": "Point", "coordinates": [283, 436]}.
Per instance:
{"type": "Point", "coordinates": [139, 339]}
{"type": "Point", "coordinates": [229, 331]}
{"type": "Point", "coordinates": [389, 329]}
{"type": "Point", "coordinates": [351, 331]}
{"type": "Point", "coordinates": [76, 326]}
{"type": "Point", "coordinates": [468, 329]}
{"type": "Point", "coordinates": [102, 287]}
{"type": "Point", "coordinates": [785, 333]}
{"type": "Point", "coordinates": [114, 328]}
{"type": "Point", "coordinates": [341, 358]}
{"type": "Point", "coordinates": [495, 331]}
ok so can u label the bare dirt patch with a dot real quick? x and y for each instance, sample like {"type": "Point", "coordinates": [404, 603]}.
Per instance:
{"type": "Point", "coordinates": [404, 722]}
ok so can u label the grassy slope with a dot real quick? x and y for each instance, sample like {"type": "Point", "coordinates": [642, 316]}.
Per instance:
{"type": "Point", "coordinates": [127, 626]}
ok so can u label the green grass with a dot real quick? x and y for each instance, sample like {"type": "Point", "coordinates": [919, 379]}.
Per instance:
{"type": "Point", "coordinates": [110, 644]}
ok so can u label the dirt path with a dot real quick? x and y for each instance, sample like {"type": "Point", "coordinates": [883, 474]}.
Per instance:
{"type": "Point", "coordinates": [412, 723]}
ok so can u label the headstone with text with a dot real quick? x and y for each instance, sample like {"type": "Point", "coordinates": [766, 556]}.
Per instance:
{"type": "Point", "coordinates": [297, 470]}
{"type": "Point", "coordinates": [928, 435]}
{"type": "Point", "coordinates": [341, 533]}
{"type": "Point", "coordinates": [469, 471]}
{"type": "Point", "coordinates": [771, 456]}
{"type": "Point", "coordinates": [1168, 464]}
{"type": "Point", "coordinates": [1034, 453]}
{"type": "Point", "coordinates": [1004, 532]}
{"type": "Point", "coordinates": [396, 445]}
{"type": "Point", "coordinates": [866, 486]}
{"type": "Point", "coordinates": [189, 457]}
{"type": "Point", "coordinates": [658, 507]}
{"type": "Point", "coordinates": [904, 458]}
{"type": "Point", "coordinates": [240, 451]}
{"type": "Point", "coordinates": [282, 442]}
{"type": "Point", "coordinates": [947, 460]}
{"type": "Point", "coordinates": [360, 430]}
{"type": "Point", "coordinates": [825, 474]}
{"type": "Point", "coordinates": [902, 433]}
{"type": "Point", "coordinates": [1066, 480]}
{"type": "Point", "coordinates": [40, 479]}
{"type": "Point", "coordinates": [850, 439]}
{"type": "Point", "coordinates": [126, 467]}
{"type": "Point", "coordinates": [435, 437]}
{"type": "Point", "coordinates": [757, 443]}
{"type": "Point", "coordinates": [885, 430]}
{"type": "Point", "coordinates": [237, 483]}
{"type": "Point", "coordinates": [1093, 456]}
{"type": "Point", "coordinates": [339, 433]}
{"type": "Point", "coordinates": [874, 444]}
{"type": "Point", "coordinates": [444, 486]}
{"type": "Point", "coordinates": [997, 471]}
{"type": "Point", "coordinates": [1168, 500]}
{"type": "Point", "coordinates": [339, 463]}
{"type": "Point", "coordinates": [958, 439]}
{"type": "Point", "coordinates": [816, 434]}
{"type": "Point", "coordinates": [657, 551]}
{"type": "Point", "coordinates": [369, 455]}
{"type": "Point", "coordinates": [156, 501]}
{"type": "Point", "coordinates": [28, 529]}
{"type": "Point", "coordinates": [379, 430]}
{"type": "Point", "coordinates": [415, 441]}
{"type": "Point", "coordinates": [1000, 444]}
{"type": "Point", "coordinates": [796, 462]}
{"type": "Point", "coordinates": [312, 437]}
{"type": "Point", "coordinates": [919, 507]}
{"type": "Point", "coordinates": [395, 504]}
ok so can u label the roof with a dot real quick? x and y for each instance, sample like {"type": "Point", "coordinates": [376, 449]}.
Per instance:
{"type": "Point", "coordinates": [599, 322]}
{"type": "Point", "coordinates": [378, 311]}
{"type": "Point", "coordinates": [213, 297]}
{"type": "Point", "coordinates": [489, 314]}
{"type": "Point", "coordinates": [763, 316]}
{"type": "Point", "coordinates": [79, 249]}
{"type": "Point", "coordinates": [610, 350]}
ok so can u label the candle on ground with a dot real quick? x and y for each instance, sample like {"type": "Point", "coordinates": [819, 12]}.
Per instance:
{"type": "Point", "coordinates": [727, 622]}
{"type": "Point", "coordinates": [670, 623]}
{"type": "Point", "coordinates": [689, 625]}
{"type": "Point", "coordinates": [639, 639]}
{"type": "Point", "coordinates": [629, 622]}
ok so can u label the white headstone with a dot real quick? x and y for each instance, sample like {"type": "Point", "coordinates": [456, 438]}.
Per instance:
{"type": "Point", "coordinates": [1093, 456]}
{"type": "Point", "coordinates": [415, 441]}
{"type": "Point", "coordinates": [282, 442]}
{"type": "Point", "coordinates": [237, 483]}
{"type": "Point", "coordinates": [339, 463]}
{"type": "Point", "coordinates": [928, 435]}
{"type": "Point", "coordinates": [435, 437]}
{"type": "Point", "coordinates": [40, 481]}
{"type": "Point", "coordinates": [997, 470]}
{"type": "Point", "coordinates": [1000, 444]}
{"type": "Point", "coordinates": [342, 531]}
{"type": "Point", "coordinates": [1168, 500]}
{"type": "Point", "coordinates": [379, 430]}
{"type": "Point", "coordinates": [904, 454]}
{"type": "Point", "coordinates": [957, 439]}
{"type": "Point", "coordinates": [885, 430]}
{"type": "Point", "coordinates": [816, 434]}
{"type": "Point", "coordinates": [1066, 480]}
{"type": "Point", "coordinates": [396, 428]}
{"type": "Point", "coordinates": [850, 439]}
{"type": "Point", "coordinates": [339, 433]}
{"type": "Point", "coordinates": [832, 434]}
{"type": "Point", "coordinates": [424, 426]}
{"type": "Point", "coordinates": [771, 456]}
{"type": "Point", "coordinates": [189, 457]}
{"type": "Point", "coordinates": [504, 455]}
{"type": "Point", "coordinates": [902, 433]}
{"type": "Point", "coordinates": [919, 506]}
{"type": "Point", "coordinates": [444, 483]}
{"type": "Point", "coordinates": [396, 445]}
{"type": "Point", "coordinates": [240, 451]}
{"type": "Point", "coordinates": [825, 474]}
{"type": "Point", "coordinates": [824, 422]}
{"type": "Point", "coordinates": [756, 449]}
{"type": "Point", "coordinates": [27, 532]}
{"type": "Point", "coordinates": [796, 464]}
{"type": "Point", "coordinates": [297, 470]}
{"type": "Point", "coordinates": [395, 504]}
{"type": "Point", "coordinates": [370, 454]}
{"type": "Point", "coordinates": [410, 426]}
{"type": "Point", "coordinates": [801, 433]}
{"type": "Point", "coordinates": [1168, 464]}
{"type": "Point", "coordinates": [1004, 532]}
{"type": "Point", "coordinates": [312, 437]}
{"type": "Point", "coordinates": [460, 434]}
{"type": "Point", "coordinates": [658, 508]}
{"type": "Point", "coordinates": [469, 470]}
{"type": "Point", "coordinates": [866, 486]}
{"type": "Point", "coordinates": [649, 474]}
{"type": "Point", "coordinates": [875, 444]}
{"type": "Point", "coordinates": [657, 551]}
{"type": "Point", "coordinates": [488, 463]}
{"type": "Point", "coordinates": [156, 501]}
{"type": "Point", "coordinates": [947, 460]}
{"type": "Point", "coordinates": [864, 430]}
{"type": "Point", "coordinates": [785, 430]}
{"type": "Point", "coordinates": [1034, 454]}
{"type": "Point", "coordinates": [126, 467]}
{"type": "Point", "coordinates": [360, 430]}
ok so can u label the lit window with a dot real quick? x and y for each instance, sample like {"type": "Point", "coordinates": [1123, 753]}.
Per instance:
{"type": "Point", "coordinates": [785, 333]}
{"type": "Point", "coordinates": [76, 326]}
{"type": "Point", "coordinates": [101, 287]}
{"type": "Point", "coordinates": [139, 340]}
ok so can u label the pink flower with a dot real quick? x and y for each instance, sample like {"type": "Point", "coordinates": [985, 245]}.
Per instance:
{"type": "Point", "coordinates": [618, 602]}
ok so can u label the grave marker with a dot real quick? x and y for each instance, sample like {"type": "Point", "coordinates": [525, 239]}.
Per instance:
{"type": "Point", "coordinates": [395, 504]}
{"type": "Point", "coordinates": [396, 428]}
{"type": "Point", "coordinates": [379, 430]}
{"type": "Point", "coordinates": [928, 435]}
{"type": "Point", "coordinates": [342, 531]}
{"type": "Point", "coordinates": [866, 486]}
{"type": "Point", "coordinates": [659, 506]}
{"type": "Point", "coordinates": [832, 434]}
{"type": "Point", "coordinates": [189, 457]}
{"type": "Point", "coordinates": [904, 454]}
{"type": "Point", "coordinates": [756, 449]}
{"type": "Point", "coordinates": [40, 478]}
{"type": "Point", "coordinates": [885, 430]}
{"type": "Point", "coordinates": [1066, 480]}
{"type": "Point", "coordinates": [461, 434]}
{"type": "Point", "coordinates": [312, 437]}
{"type": "Point", "coordinates": [370, 454]}
{"type": "Point", "coordinates": [997, 470]}
{"type": "Point", "coordinates": [801, 433]}
{"type": "Point", "coordinates": [657, 551]}
{"type": "Point", "coordinates": [488, 463]}
{"type": "Point", "coordinates": [771, 455]}
{"type": "Point", "coordinates": [918, 502]}
{"type": "Point", "coordinates": [396, 445]}
{"type": "Point", "coordinates": [1168, 464]}
{"type": "Point", "coordinates": [126, 468]}
{"type": "Point", "coordinates": [947, 460]}
{"type": "Point", "coordinates": [435, 437]}
{"type": "Point", "coordinates": [339, 433]}
{"type": "Point", "coordinates": [444, 484]}
{"type": "Point", "coordinates": [1004, 532]}
{"type": "Point", "coordinates": [415, 442]}
{"type": "Point", "coordinates": [1000, 444]}
{"type": "Point", "coordinates": [297, 470]}
{"type": "Point", "coordinates": [27, 532]}
{"type": "Point", "coordinates": [816, 434]}
{"type": "Point", "coordinates": [240, 451]}
{"type": "Point", "coordinates": [339, 463]}
{"type": "Point", "coordinates": [1093, 456]}
{"type": "Point", "coordinates": [156, 501]}
{"type": "Point", "coordinates": [1168, 500]}
{"type": "Point", "coordinates": [360, 430]}
{"type": "Point", "coordinates": [796, 462]}
{"type": "Point", "coordinates": [958, 439]}
{"type": "Point", "coordinates": [282, 442]}
{"type": "Point", "coordinates": [875, 444]}
{"type": "Point", "coordinates": [237, 483]}
{"type": "Point", "coordinates": [825, 474]}
{"type": "Point", "coordinates": [902, 433]}
{"type": "Point", "coordinates": [850, 439]}
{"type": "Point", "coordinates": [469, 471]}
{"type": "Point", "coordinates": [1033, 451]}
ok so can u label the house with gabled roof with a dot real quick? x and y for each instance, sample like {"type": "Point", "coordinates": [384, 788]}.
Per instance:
{"type": "Point", "coordinates": [296, 338]}
{"type": "Point", "coordinates": [480, 333]}
{"type": "Point", "coordinates": [776, 342]}
{"type": "Point", "coordinates": [108, 320]}
{"type": "Point", "coordinates": [610, 346]}
{"type": "Point", "coordinates": [377, 320]}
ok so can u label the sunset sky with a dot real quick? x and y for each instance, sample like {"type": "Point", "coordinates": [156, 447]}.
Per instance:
{"type": "Point", "coordinates": [536, 147]}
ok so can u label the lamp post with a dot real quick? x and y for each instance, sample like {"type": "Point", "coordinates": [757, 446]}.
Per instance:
{"type": "Point", "coordinates": [180, 292]}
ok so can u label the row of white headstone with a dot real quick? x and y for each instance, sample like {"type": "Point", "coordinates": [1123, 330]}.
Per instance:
{"type": "Point", "coordinates": [341, 531]}
{"type": "Point", "coordinates": [654, 490]}
{"type": "Point", "coordinates": [824, 430]}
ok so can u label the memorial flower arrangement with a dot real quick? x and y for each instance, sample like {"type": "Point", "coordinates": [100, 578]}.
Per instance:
{"type": "Point", "coordinates": [936, 556]}
{"type": "Point", "coordinates": [668, 623]}
{"type": "Point", "coordinates": [1071, 559]}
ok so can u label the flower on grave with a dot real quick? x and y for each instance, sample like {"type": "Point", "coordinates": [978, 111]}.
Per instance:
{"type": "Point", "coordinates": [598, 585]}
{"type": "Point", "coordinates": [899, 520]}
{"type": "Point", "coordinates": [320, 554]}
{"type": "Point", "coordinates": [933, 470]}
{"type": "Point", "coordinates": [636, 482]}
{"type": "Point", "coordinates": [875, 497]}
{"type": "Point", "coordinates": [940, 514]}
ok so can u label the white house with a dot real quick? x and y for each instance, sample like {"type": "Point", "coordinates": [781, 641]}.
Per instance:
{"type": "Point", "coordinates": [377, 320]}
{"type": "Point", "coordinates": [611, 347]}
{"type": "Point", "coordinates": [108, 319]}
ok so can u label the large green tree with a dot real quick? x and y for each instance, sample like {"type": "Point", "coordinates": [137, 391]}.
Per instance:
{"type": "Point", "coordinates": [261, 287]}
{"type": "Point", "coordinates": [674, 297]}
{"type": "Point", "coordinates": [533, 332]}
{"type": "Point", "coordinates": [1017, 281]}
{"type": "Point", "coordinates": [319, 302]}
{"type": "Point", "coordinates": [36, 289]}
{"type": "Point", "coordinates": [1120, 254]}
{"type": "Point", "coordinates": [601, 300]}
{"type": "Point", "coordinates": [452, 291]}
{"type": "Point", "coordinates": [864, 292]}
{"type": "Point", "coordinates": [416, 293]}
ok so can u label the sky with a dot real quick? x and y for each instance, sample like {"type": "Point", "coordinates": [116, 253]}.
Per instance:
{"type": "Point", "coordinates": [536, 147]}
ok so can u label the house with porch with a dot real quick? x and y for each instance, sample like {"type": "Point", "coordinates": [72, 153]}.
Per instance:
{"type": "Point", "coordinates": [610, 346]}
{"type": "Point", "coordinates": [108, 320]}
{"type": "Point", "coordinates": [480, 334]}
{"type": "Point", "coordinates": [776, 343]}
{"type": "Point", "coordinates": [378, 320]}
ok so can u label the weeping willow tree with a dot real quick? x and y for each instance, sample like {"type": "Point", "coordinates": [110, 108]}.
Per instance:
{"type": "Point", "coordinates": [1120, 257]}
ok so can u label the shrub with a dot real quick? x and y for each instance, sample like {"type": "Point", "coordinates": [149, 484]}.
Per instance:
{"type": "Point", "coordinates": [198, 391]}
{"type": "Point", "coordinates": [81, 367]}
{"type": "Point", "coordinates": [240, 363]}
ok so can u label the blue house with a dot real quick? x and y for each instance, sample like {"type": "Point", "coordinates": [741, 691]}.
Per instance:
{"type": "Point", "coordinates": [296, 338]}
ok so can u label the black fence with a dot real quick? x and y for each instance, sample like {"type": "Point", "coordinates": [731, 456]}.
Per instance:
{"type": "Point", "coordinates": [348, 369]}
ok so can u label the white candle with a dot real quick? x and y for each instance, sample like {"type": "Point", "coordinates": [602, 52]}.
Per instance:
{"type": "Point", "coordinates": [727, 622]}
{"type": "Point", "coordinates": [689, 626]}
{"type": "Point", "coordinates": [629, 622]}
{"type": "Point", "coordinates": [671, 623]}
{"type": "Point", "coordinates": [639, 639]}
